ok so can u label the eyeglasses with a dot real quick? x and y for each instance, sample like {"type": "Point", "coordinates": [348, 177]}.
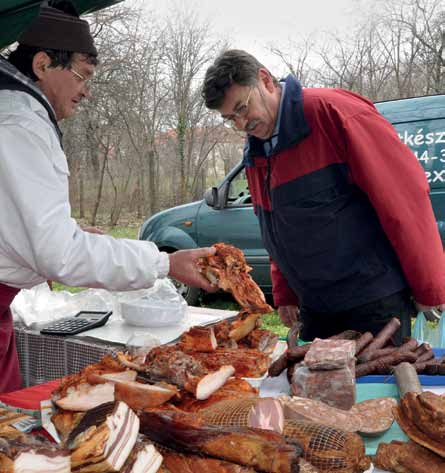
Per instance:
{"type": "Point", "coordinates": [81, 77]}
{"type": "Point", "coordinates": [240, 112]}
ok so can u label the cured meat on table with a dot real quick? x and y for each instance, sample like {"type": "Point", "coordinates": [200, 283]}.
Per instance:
{"type": "Point", "coordinates": [422, 418]}
{"type": "Point", "coordinates": [228, 269]}
{"type": "Point", "coordinates": [260, 449]}
{"type": "Point", "coordinates": [144, 458]}
{"type": "Point", "coordinates": [330, 354]}
{"type": "Point", "coordinates": [248, 363]}
{"type": "Point", "coordinates": [260, 413]}
{"type": "Point", "coordinates": [329, 449]}
{"type": "Point", "coordinates": [198, 339]}
{"type": "Point", "coordinates": [33, 456]}
{"type": "Point", "coordinates": [372, 417]}
{"type": "Point", "coordinates": [104, 438]}
{"type": "Point", "coordinates": [168, 364]}
{"type": "Point", "coordinates": [407, 457]}
{"type": "Point", "coordinates": [234, 389]}
{"type": "Point", "coordinates": [175, 462]}
{"type": "Point", "coordinates": [327, 373]}
{"type": "Point", "coordinates": [93, 387]}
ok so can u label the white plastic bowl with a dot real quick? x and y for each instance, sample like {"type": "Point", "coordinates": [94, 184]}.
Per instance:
{"type": "Point", "coordinates": [145, 313]}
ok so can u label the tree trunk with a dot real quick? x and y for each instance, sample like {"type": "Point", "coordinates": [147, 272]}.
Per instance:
{"type": "Point", "coordinates": [100, 189]}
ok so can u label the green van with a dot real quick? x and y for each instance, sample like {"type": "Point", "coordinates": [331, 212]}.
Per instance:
{"type": "Point", "coordinates": [225, 213]}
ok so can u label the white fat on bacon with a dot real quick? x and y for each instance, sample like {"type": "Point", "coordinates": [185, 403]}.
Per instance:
{"type": "Point", "coordinates": [32, 455]}
{"type": "Point", "coordinates": [143, 459]}
{"type": "Point", "coordinates": [104, 446]}
{"type": "Point", "coordinates": [124, 429]}
{"type": "Point", "coordinates": [211, 382]}
{"type": "Point", "coordinates": [33, 462]}
{"type": "Point", "coordinates": [84, 396]}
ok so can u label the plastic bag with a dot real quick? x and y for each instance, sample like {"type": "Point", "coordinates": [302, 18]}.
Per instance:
{"type": "Point", "coordinates": [433, 333]}
{"type": "Point", "coordinates": [159, 306]}
{"type": "Point", "coordinates": [39, 305]}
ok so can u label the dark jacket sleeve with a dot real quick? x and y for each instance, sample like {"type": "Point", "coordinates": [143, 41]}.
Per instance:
{"type": "Point", "coordinates": [387, 170]}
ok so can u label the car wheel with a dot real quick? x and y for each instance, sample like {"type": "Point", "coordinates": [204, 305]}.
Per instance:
{"type": "Point", "coordinates": [190, 294]}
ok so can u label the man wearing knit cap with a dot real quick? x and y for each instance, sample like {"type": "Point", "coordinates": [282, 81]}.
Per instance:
{"type": "Point", "coordinates": [42, 82]}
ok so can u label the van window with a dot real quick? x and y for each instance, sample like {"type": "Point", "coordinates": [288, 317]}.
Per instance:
{"type": "Point", "coordinates": [426, 139]}
{"type": "Point", "coordinates": [239, 191]}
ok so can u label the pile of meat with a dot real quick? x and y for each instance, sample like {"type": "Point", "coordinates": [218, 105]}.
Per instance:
{"type": "Point", "coordinates": [374, 355]}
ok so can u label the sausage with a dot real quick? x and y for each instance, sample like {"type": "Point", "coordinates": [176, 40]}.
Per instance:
{"type": "Point", "coordinates": [384, 335]}
{"type": "Point", "coordinates": [374, 355]}
{"type": "Point", "coordinates": [385, 363]}
{"type": "Point", "coordinates": [292, 335]}
{"type": "Point", "coordinates": [428, 355]}
{"type": "Point", "coordinates": [279, 365]}
{"type": "Point", "coordinates": [407, 379]}
{"type": "Point", "coordinates": [363, 342]}
{"type": "Point", "coordinates": [422, 348]}
{"type": "Point", "coordinates": [375, 414]}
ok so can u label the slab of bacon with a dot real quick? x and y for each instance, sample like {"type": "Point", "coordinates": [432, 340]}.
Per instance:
{"type": "Point", "coordinates": [228, 269]}
{"type": "Point", "coordinates": [109, 381]}
{"type": "Point", "coordinates": [32, 455]}
{"type": "Point", "coordinates": [144, 458]}
{"type": "Point", "coordinates": [104, 438]}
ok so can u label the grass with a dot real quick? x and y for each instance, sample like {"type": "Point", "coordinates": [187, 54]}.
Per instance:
{"type": "Point", "coordinates": [270, 322]}
{"type": "Point", "coordinates": [220, 301]}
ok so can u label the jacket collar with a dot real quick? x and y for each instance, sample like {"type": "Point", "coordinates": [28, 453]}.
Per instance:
{"type": "Point", "coordinates": [293, 125]}
{"type": "Point", "coordinates": [12, 79]}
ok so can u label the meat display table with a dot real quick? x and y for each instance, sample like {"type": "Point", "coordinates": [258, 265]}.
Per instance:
{"type": "Point", "coordinates": [47, 357]}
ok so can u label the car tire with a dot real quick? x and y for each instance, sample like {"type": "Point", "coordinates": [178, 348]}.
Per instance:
{"type": "Point", "coordinates": [190, 294]}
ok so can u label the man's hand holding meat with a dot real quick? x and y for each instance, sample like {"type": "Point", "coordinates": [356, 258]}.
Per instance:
{"type": "Point", "coordinates": [184, 267]}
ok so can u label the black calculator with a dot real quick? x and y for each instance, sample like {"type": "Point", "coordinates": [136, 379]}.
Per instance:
{"type": "Point", "coordinates": [81, 322]}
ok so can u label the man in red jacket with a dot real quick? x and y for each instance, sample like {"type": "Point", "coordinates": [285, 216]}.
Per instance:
{"type": "Point", "coordinates": [343, 204]}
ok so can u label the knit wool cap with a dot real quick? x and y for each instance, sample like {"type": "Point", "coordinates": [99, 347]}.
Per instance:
{"type": "Point", "coordinates": [54, 29]}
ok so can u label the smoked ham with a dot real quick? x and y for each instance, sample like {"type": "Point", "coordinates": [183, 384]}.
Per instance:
{"type": "Point", "coordinates": [228, 269]}
{"type": "Point", "coordinates": [260, 449]}
{"type": "Point", "coordinates": [136, 394]}
{"type": "Point", "coordinates": [198, 339]}
{"type": "Point", "coordinates": [422, 418]}
{"type": "Point", "coordinates": [175, 462]}
{"type": "Point", "coordinates": [372, 417]}
{"type": "Point", "coordinates": [203, 387]}
{"type": "Point", "coordinates": [248, 363]}
{"type": "Point", "coordinates": [407, 457]}
{"type": "Point", "coordinates": [234, 389]}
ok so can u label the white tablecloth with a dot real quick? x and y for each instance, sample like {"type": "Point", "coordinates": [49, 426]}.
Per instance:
{"type": "Point", "coordinates": [117, 331]}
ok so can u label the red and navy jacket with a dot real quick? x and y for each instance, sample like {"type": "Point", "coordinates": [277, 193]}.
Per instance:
{"type": "Point", "coordinates": [343, 205]}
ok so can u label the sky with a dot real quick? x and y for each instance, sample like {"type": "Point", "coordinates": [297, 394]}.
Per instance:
{"type": "Point", "coordinates": [254, 24]}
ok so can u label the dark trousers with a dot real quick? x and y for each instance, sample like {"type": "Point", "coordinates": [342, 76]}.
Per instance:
{"type": "Point", "coordinates": [371, 317]}
{"type": "Point", "coordinates": [10, 378]}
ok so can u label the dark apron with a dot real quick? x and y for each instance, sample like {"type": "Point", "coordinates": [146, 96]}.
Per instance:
{"type": "Point", "coordinates": [10, 377]}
